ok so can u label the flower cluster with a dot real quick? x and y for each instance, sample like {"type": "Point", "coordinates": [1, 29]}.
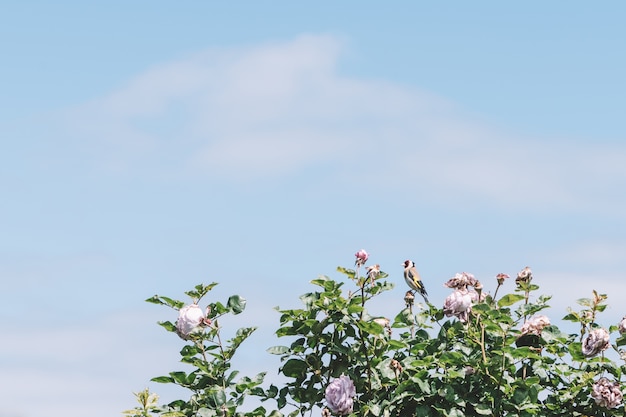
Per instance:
{"type": "Point", "coordinates": [535, 325]}
{"type": "Point", "coordinates": [340, 395]}
{"type": "Point", "coordinates": [596, 341]}
{"type": "Point", "coordinates": [459, 303]}
{"type": "Point", "coordinates": [606, 393]}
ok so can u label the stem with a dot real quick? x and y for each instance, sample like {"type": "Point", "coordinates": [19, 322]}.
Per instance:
{"type": "Point", "coordinates": [495, 294]}
{"type": "Point", "coordinates": [361, 336]}
{"type": "Point", "coordinates": [482, 342]}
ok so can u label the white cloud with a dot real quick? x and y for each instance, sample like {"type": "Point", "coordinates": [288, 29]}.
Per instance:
{"type": "Point", "coordinates": [276, 109]}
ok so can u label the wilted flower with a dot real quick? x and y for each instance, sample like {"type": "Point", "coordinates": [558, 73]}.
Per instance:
{"type": "Point", "coordinates": [597, 341]}
{"type": "Point", "coordinates": [396, 366]}
{"type": "Point", "coordinates": [409, 298]}
{"type": "Point", "coordinates": [458, 304]}
{"type": "Point", "coordinates": [190, 317]}
{"type": "Point", "coordinates": [372, 272]}
{"type": "Point", "coordinates": [535, 325]}
{"type": "Point", "coordinates": [461, 281]}
{"type": "Point", "coordinates": [524, 276]}
{"type": "Point", "coordinates": [501, 277]}
{"type": "Point", "coordinates": [606, 393]}
{"type": "Point", "coordinates": [361, 257]}
{"type": "Point", "coordinates": [622, 325]}
{"type": "Point", "coordinates": [339, 395]}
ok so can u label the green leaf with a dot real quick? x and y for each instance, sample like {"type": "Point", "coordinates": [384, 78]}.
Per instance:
{"type": "Point", "coordinates": [200, 291]}
{"type": "Point", "coordinates": [206, 412]}
{"type": "Point", "coordinates": [349, 272]}
{"type": "Point", "coordinates": [155, 299]}
{"type": "Point", "coordinates": [482, 409]}
{"type": "Point", "coordinates": [510, 299]}
{"type": "Point", "coordinates": [217, 397]}
{"type": "Point", "coordinates": [167, 325]}
{"type": "Point", "coordinates": [179, 377]}
{"type": "Point", "coordinates": [163, 379]}
{"type": "Point", "coordinates": [455, 412]}
{"type": "Point", "coordinates": [294, 368]}
{"type": "Point", "coordinates": [396, 344]}
{"type": "Point", "coordinates": [236, 304]}
{"type": "Point", "coordinates": [424, 386]}
{"type": "Point", "coordinates": [575, 349]}
{"type": "Point", "coordinates": [572, 317]}
{"type": "Point", "coordinates": [278, 350]}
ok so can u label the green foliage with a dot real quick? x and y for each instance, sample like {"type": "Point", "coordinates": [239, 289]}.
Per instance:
{"type": "Point", "coordinates": [216, 390]}
{"type": "Point", "coordinates": [498, 358]}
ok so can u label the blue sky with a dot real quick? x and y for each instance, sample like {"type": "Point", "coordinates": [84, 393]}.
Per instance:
{"type": "Point", "coordinates": [147, 147]}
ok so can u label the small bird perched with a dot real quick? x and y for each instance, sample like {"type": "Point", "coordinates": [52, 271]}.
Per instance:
{"type": "Point", "coordinates": [413, 280]}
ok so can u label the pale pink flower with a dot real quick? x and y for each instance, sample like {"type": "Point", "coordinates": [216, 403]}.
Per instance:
{"type": "Point", "coordinates": [501, 277]}
{"type": "Point", "coordinates": [373, 271]}
{"type": "Point", "coordinates": [361, 257]}
{"type": "Point", "coordinates": [622, 325]}
{"type": "Point", "coordinates": [524, 276]}
{"type": "Point", "coordinates": [477, 296]}
{"type": "Point", "coordinates": [461, 281]}
{"type": "Point", "coordinates": [458, 304]}
{"type": "Point", "coordinates": [535, 325]}
{"type": "Point", "coordinates": [340, 395]}
{"type": "Point", "coordinates": [606, 393]}
{"type": "Point", "coordinates": [596, 341]}
{"type": "Point", "coordinates": [190, 317]}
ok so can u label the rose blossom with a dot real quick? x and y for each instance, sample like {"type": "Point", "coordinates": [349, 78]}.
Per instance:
{"type": "Point", "coordinates": [622, 326]}
{"type": "Point", "coordinates": [339, 395]}
{"type": "Point", "coordinates": [524, 276]}
{"type": "Point", "coordinates": [458, 304]}
{"type": "Point", "coordinates": [189, 319]}
{"type": "Point", "coordinates": [361, 257]}
{"type": "Point", "coordinates": [535, 325]}
{"type": "Point", "coordinates": [477, 296]}
{"type": "Point", "coordinates": [373, 272]}
{"type": "Point", "coordinates": [597, 341]}
{"type": "Point", "coordinates": [501, 277]}
{"type": "Point", "coordinates": [606, 393]}
{"type": "Point", "coordinates": [461, 281]}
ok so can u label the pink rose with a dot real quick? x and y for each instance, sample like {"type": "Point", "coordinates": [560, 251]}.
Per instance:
{"type": "Point", "coordinates": [361, 257]}
{"type": "Point", "coordinates": [597, 341]}
{"type": "Point", "coordinates": [535, 325]}
{"type": "Point", "coordinates": [339, 395]}
{"type": "Point", "coordinates": [606, 393]}
{"type": "Point", "coordinates": [458, 304]}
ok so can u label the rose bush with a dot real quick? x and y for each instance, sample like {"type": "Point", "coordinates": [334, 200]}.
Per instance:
{"type": "Point", "coordinates": [476, 354]}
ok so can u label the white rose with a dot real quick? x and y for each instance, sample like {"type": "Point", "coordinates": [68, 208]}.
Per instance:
{"type": "Point", "coordinates": [189, 319]}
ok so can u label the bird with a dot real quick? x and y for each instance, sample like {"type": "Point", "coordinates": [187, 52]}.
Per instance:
{"type": "Point", "coordinates": [413, 280]}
